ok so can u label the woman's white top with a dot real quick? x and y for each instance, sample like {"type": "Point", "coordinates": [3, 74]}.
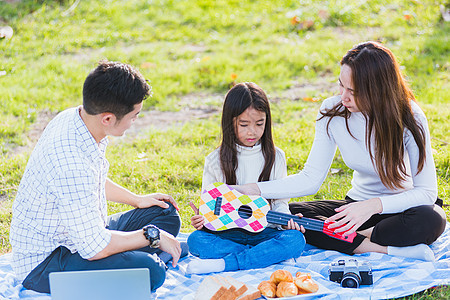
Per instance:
{"type": "Point", "coordinates": [419, 189]}
{"type": "Point", "coordinates": [250, 164]}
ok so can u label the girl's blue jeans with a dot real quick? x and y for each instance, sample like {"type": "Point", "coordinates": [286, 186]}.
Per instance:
{"type": "Point", "coordinates": [61, 259]}
{"type": "Point", "coordinates": [243, 250]}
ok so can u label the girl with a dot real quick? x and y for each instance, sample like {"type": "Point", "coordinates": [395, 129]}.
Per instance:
{"type": "Point", "coordinates": [246, 154]}
{"type": "Point", "coordinates": [383, 136]}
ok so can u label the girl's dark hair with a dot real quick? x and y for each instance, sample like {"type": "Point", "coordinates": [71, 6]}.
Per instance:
{"type": "Point", "coordinates": [237, 100]}
{"type": "Point", "coordinates": [383, 96]}
{"type": "Point", "coordinates": [115, 88]}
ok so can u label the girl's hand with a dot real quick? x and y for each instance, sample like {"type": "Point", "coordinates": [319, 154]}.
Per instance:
{"type": "Point", "coordinates": [351, 216]}
{"type": "Point", "coordinates": [197, 221]}
{"type": "Point", "coordinates": [293, 225]}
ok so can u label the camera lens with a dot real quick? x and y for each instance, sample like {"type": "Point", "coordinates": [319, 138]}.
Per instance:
{"type": "Point", "coordinates": [350, 280]}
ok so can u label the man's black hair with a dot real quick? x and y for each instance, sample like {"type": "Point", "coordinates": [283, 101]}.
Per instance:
{"type": "Point", "coordinates": [114, 87]}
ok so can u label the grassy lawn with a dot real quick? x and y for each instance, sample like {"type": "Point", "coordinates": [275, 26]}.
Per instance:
{"type": "Point", "coordinates": [192, 51]}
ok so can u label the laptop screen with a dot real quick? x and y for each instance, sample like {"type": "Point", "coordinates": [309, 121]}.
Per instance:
{"type": "Point", "coordinates": [101, 284]}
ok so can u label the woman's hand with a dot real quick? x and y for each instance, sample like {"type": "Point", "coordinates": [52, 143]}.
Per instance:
{"type": "Point", "coordinates": [293, 225]}
{"type": "Point", "coordinates": [157, 199]}
{"type": "Point", "coordinates": [248, 189]}
{"type": "Point", "coordinates": [351, 216]}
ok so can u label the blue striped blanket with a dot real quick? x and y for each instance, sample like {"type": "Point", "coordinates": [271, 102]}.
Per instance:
{"type": "Point", "coordinates": [393, 276]}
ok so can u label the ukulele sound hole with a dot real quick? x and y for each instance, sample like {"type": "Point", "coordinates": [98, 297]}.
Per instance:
{"type": "Point", "coordinates": [245, 212]}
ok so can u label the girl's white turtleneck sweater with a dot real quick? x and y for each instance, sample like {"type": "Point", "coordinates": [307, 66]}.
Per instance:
{"type": "Point", "coordinates": [250, 164]}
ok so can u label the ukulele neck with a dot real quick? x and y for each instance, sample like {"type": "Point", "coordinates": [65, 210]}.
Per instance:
{"type": "Point", "coordinates": [283, 219]}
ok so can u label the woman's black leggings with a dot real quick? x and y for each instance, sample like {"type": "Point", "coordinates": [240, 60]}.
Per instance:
{"type": "Point", "coordinates": [416, 225]}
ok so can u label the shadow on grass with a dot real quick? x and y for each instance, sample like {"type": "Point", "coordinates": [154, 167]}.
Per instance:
{"type": "Point", "coordinates": [14, 10]}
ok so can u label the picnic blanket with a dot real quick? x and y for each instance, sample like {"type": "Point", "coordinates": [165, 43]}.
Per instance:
{"type": "Point", "coordinates": [393, 276]}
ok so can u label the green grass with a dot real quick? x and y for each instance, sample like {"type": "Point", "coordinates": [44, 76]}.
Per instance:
{"type": "Point", "coordinates": [190, 50]}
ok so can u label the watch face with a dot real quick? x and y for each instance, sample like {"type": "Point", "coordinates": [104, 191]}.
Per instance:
{"type": "Point", "coordinates": [153, 232]}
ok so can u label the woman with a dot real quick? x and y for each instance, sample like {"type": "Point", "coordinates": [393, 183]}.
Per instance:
{"type": "Point", "coordinates": [382, 134]}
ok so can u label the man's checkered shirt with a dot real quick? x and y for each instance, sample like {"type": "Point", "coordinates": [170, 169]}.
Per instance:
{"type": "Point", "coordinates": [61, 198]}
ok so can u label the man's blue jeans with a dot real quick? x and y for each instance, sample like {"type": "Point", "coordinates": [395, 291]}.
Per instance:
{"type": "Point", "coordinates": [242, 250]}
{"type": "Point", "coordinates": [61, 259]}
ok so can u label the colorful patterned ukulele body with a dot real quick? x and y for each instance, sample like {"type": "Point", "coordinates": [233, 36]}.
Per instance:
{"type": "Point", "coordinates": [220, 205]}
{"type": "Point", "coordinates": [225, 208]}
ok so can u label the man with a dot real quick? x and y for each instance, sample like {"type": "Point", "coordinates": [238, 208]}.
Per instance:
{"type": "Point", "coordinates": [60, 220]}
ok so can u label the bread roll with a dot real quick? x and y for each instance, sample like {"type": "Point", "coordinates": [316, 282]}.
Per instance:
{"type": "Point", "coordinates": [281, 275]}
{"type": "Point", "coordinates": [268, 288]}
{"type": "Point", "coordinates": [303, 274]}
{"type": "Point", "coordinates": [286, 289]}
{"type": "Point", "coordinates": [305, 284]}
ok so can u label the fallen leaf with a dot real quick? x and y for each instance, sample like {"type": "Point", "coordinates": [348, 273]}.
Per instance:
{"type": "Point", "coordinates": [407, 17]}
{"type": "Point", "coordinates": [311, 99]}
{"type": "Point", "coordinates": [308, 24]}
{"type": "Point", "coordinates": [305, 25]}
{"type": "Point", "coordinates": [323, 14]}
{"type": "Point", "coordinates": [148, 65]}
{"type": "Point", "coordinates": [295, 20]}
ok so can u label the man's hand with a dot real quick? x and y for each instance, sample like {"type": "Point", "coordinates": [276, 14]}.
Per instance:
{"type": "Point", "coordinates": [119, 194]}
{"type": "Point", "coordinates": [168, 243]}
{"type": "Point", "coordinates": [157, 199]}
{"type": "Point", "coordinates": [293, 225]}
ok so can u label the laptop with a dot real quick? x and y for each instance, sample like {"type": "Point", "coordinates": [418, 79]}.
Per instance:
{"type": "Point", "coordinates": [116, 284]}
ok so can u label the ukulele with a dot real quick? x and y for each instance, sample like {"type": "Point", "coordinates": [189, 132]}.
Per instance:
{"type": "Point", "coordinates": [225, 208]}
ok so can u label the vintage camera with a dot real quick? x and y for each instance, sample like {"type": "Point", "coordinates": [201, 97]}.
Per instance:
{"type": "Point", "coordinates": [351, 273]}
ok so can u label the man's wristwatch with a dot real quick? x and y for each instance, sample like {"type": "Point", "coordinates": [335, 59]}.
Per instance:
{"type": "Point", "coordinates": [151, 233]}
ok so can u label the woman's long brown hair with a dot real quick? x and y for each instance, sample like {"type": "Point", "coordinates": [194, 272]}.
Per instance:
{"type": "Point", "coordinates": [383, 97]}
{"type": "Point", "coordinates": [237, 100]}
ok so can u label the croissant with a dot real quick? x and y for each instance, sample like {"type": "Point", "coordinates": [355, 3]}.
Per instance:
{"type": "Point", "coordinates": [286, 289]}
{"type": "Point", "coordinates": [268, 288]}
{"type": "Point", "coordinates": [305, 284]}
{"type": "Point", "coordinates": [281, 275]}
{"type": "Point", "coordinates": [301, 274]}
